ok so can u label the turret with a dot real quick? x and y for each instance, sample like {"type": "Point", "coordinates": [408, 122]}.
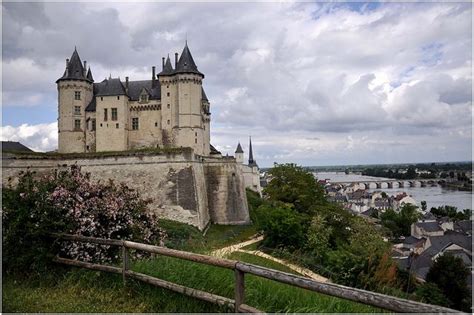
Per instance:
{"type": "Point", "coordinates": [184, 118]}
{"type": "Point", "coordinates": [239, 154]}
{"type": "Point", "coordinates": [252, 162]}
{"type": "Point", "coordinates": [75, 89]}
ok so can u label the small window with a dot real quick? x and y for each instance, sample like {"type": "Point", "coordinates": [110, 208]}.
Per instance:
{"type": "Point", "coordinates": [77, 95]}
{"type": "Point", "coordinates": [114, 114]}
{"type": "Point", "coordinates": [159, 107]}
{"type": "Point", "coordinates": [135, 123]}
{"type": "Point", "coordinates": [168, 121]}
{"type": "Point", "coordinates": [87, 147]}
{"type": "Point", "coordinates": [77, 110]}
{"type": "Point", "coordinates": [195, 134]}
{"type": "Point", "coordinates": [143, 98]}
{"type": "Point", "coordinates": [118, 97]}
{"type": "Point", "coordinates": [117, 125]}
{"type": "Point", "coordinates": [167, 86]}
{"type": "Point", "coordinates": [168, 94]}
{"type": "Point", "coordinates": [195, 140]}
{"type": "Point", "coordinates": [168, 106]}
{"type": "Point", "coordinates": [77, 124]}
{"type": "Point", "coordinates": [101, 125]}
{"type": "Point", "coordinates": [105, 114]}
{"type": "Point", "coordinates": [93, 124]}
{"type": "Point", "coordinates": [101, 98]}
{"type": "Point", "coordinates": [156, 124]}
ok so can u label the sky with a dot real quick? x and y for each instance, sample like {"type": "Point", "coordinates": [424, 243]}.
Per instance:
{"type": "Point", "coordinates": [312, 83]}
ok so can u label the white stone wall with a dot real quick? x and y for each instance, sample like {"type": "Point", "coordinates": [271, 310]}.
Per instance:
{"type": "Point", "coordinates": [109, 137]}
{"type": "Point", "coordinates": [70, 139]}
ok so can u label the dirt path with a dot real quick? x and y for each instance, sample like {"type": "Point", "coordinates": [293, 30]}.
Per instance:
{"type": "Point", "coordinates": [222, 252]}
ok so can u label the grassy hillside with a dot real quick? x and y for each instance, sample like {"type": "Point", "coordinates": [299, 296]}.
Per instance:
{"type": "Point", "coordinates": [78, 290]}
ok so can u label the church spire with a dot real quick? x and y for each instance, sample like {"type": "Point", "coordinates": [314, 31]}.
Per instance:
{"type": "Point", "coordinates": [252, 162]}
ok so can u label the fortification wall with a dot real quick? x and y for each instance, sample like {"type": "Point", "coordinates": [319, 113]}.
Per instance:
{"type": "Point", "coordinates": [226, 192]}
{"type": "Point", "coordinates": [183, 187]}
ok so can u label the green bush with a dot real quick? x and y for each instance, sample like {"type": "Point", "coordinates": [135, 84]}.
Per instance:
{"type": "Point", "coordinates": [69, 202]}
{"type": "Point", "coordinates": [282, 226]}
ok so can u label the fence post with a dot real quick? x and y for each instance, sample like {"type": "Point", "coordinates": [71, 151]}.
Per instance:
{"type": "Point", "coordinates": [125, 263]}
{"type": "Point", "coordinates": [239, 289]}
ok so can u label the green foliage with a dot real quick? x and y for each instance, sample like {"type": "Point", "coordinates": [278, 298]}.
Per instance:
{"type": "Point", "coordinates": [451, 212]}
{"type": "Point", "coordinates": [283, 226]}
{"type": "Point", "coordinates": [429, 293]}
{"type": "Point", "coordinates": [68, 201]}
{"type": "Point", "coordinates": [294, 185]}
{"type": "Point", "coordinates": [399, 223]}
{"type": "Point", "coordinates": [449, 273]}
{"type": "Point", "coordinates": [318, 235]}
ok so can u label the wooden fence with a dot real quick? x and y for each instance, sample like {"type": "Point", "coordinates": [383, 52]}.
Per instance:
{"type": "Point", "coordinates": [385, 302]}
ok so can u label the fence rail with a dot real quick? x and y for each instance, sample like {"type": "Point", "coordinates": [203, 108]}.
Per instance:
{"type": "Point", "coordinates": [240, 269]}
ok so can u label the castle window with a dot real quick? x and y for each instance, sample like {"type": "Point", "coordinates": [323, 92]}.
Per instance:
{"type": "Point", "coordinates": [101, 98]}
{"type": "Point", "coordinates": [195, 134]}
{"type": "Point", "coordinates": [118, 97]}
{"type": "Point", "coordinates": [195, 140]}
{"type": "Point", "coordinates": [77, 95]}
{"type": "Point", "coordinates": [105, 114]}
{"type": "Point", "coordinates": [159, 107]}
{"type": "Point", "coordinates": [77, 124]}
{"type": "Point", "coordinates": [168, 121]}
{"type": "Point", "coordinates": [114, 114]}
{"type": "Point", "coordinates": [117, 125]}
{"type": "Point", "coordinates": [168, 94]}
{"type": "Point", "coordinates": [135, 123]}
{"type": "Point", "coordinates": [168, 106]}
{"type": "Point", "coordinates": [77, 110]}
{"type": "Point", "coordinates": [167, 86]}
{"type": "Point", "coordinates": [93, 124]}
{"type": "Point", "coordinates": [143, 98]}
{"type": "Point", "coordinates": [156, 124]}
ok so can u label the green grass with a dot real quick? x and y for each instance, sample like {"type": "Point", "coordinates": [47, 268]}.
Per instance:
{"type": "Point", "coordinates": [185, 237]}
{"type": "Point", "coordinates": [79, 290]}
{"type": "Point", "coordinates": [260, 261]}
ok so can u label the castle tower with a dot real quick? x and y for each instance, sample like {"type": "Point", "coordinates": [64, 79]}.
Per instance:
{"type": "Point", "coordinates": [75, 90]}
{"type": "Point", "coordinates": [239, 154]}
{"type": "Point", "coordinates": [252, 162]}
{"type": "Point", "coordinates": [185, 112]}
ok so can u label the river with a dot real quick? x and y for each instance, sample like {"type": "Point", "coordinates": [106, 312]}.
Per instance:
{"type": "Point", "coordinates": [434, 196]}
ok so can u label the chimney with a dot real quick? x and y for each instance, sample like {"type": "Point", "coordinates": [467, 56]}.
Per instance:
{"type": "Point", "coordinates": [85, 68]}
{"type": "Point", "coordinates": [163, 62]}
{"type": "Point", "coordinates": [153, 76]}
{"type": "Point", "coordinates": [67, 67]}
{"type": "Point", "coordinates": [126, 85]}
{"type": "Point", "coordinates": [176, 61]}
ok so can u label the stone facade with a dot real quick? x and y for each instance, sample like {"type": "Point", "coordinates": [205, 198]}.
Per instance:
{"type": "Point", "coordinates": [183, 187]}
{"type": "Point", "coordinates": [170, 110]}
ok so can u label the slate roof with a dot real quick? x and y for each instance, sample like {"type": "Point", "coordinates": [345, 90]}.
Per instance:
{"type": "Point", "coordinates": [186, 63]}
{"type": "Point", "coordinates": [74, 69]}
{"type": "Point", "coordinates": [168, 68]}
{"type": "Point", "coordinates": [214, 150]}
{"type": "Point", "coordinates": [204, 96]}
{"type": "Point", "coordinates": [429, 226]}
{"type": "Point", "coordinates": [464, 226]}
{"type": "Point", "coordinates": [252, 162]}
{"type": "Point", "coordinates": [369, 212]}
{"type": "Point", "coordinates": [14, 146]}
{"type": "Point", "coordinates": [410, 240]}
{"type": "Point", "coordinates": [239, 149]}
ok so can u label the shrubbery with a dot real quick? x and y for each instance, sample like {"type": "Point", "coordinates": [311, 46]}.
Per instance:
{"type": "Point", "coordinates": [69, 201]}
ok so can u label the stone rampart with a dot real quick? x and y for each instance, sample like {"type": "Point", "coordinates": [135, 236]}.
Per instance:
{"type": "Point", "coordinates": [182, 186]}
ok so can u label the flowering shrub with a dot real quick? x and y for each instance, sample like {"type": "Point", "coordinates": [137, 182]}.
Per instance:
{"type": "Point", "coordinates": [70, 202]}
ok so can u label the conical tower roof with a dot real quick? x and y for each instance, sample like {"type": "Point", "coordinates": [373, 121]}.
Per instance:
{"type": "Point", "coordinates": [186, 62]}
{"type": "Point", "coordinates": [74, 69]}
{"type": "Point", "coordinates": [89, 75]}
{"type": "Point", "coordinates": [239, 149]}
{"type": "Point", "coordinates": [168, 68]}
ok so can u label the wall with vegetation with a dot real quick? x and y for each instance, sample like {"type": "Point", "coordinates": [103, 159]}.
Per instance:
{"type": "Point", "coordinates": [178, 182]}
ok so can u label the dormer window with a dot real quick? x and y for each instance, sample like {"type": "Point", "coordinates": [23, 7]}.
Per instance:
{"type": "Point", "coordinates": [143, 98]}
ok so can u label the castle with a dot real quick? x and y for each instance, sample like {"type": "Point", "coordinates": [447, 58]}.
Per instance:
{"type": "Point", "coordinates": [170, 110]}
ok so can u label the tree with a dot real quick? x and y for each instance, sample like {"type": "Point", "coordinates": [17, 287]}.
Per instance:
{"type": "Point", "coordinates": [450, 275]}
{"type": "Point", "coordinates": [294, 185]}
{"type": "Point", "coordinates": [423, 205]}
{"type": "Point", "coordinates": [430, 293]}
{"type": "Point", "coordinates": [400, 223]}
{"type": "Point", "coordinates": [318, 236]}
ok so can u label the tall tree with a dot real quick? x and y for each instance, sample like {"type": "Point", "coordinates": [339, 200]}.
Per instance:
{"type": "Point", "coordinates": [450, 275]}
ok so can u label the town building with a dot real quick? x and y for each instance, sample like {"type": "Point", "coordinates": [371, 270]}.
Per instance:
{"type": "Point", "coordinates": [169, 110]}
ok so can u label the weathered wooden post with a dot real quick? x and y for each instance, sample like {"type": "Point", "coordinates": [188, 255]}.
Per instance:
{"type": "Point", "coordinates": [239, 289]}
{"type": "Point", "coordinates": [125, 263]}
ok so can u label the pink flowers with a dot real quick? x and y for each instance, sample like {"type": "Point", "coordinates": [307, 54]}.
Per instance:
{"type": "Point", "coordinates": [103, 210]}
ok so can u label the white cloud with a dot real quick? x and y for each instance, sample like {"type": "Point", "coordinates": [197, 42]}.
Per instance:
{"type": "Point", "coordinates": [41, 137]}
{"type": "Point", "coordinates": [274, 70]}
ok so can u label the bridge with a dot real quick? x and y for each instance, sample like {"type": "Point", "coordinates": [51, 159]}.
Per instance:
{"type": "Point", "coordinates": [394, 183]}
